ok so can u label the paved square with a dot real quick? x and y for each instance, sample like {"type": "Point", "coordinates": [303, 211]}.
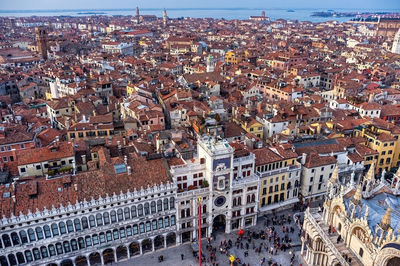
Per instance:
{"type": "Point", "coordinates": [172, 256]}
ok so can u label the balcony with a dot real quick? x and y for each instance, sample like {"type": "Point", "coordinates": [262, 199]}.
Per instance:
{"type": "Point", "coordinates": [289, 168]}
{"type": "Point", "coordinates": [244, 180]}
{"type": "Point", "coordinates": [193, 192]}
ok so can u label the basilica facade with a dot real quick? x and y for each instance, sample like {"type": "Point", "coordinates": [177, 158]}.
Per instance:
{"type": "Point", "coordinates": [359, 224]}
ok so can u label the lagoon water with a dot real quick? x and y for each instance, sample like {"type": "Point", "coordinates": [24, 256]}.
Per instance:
{"type": "Point", "coordinates": [303, 14]}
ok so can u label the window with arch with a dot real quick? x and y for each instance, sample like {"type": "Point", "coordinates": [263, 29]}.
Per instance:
{"type": "Point", "coordinates": [74, 244]}
{"type": "Point", "coordinates": [52, 250]}
{"type": "Point", "coordinates": [140, 210]}
{"type": "Point", "coordinates": [146, 209]}
{"type": "Point", "coordinates": [172, 203]}
{"type": "Point", "coordinates": [23, 236]}
{"type": "Point", "coordinates": [154, 225]}
{"type": "Point", "coordinates": [6, 240]}
{"type": "Point", "coordinates": [47, 232]}
{"type": "Point", "coordinates": [99, 219]}
{"type": "Point", "coordinates": [70, 226]}
{"type": "Point", "coordinates": [15, 238]}
{"type": "Point", "coordinates": [36, 254]}
{"type": "Point", "coordinates": [165, 204]}
{"type": "Point", "coordinates": [148, 226]}
{"type": "Point", "coordinates": [253, 198]}
{"type": "Point", "coordinates": [102, 238]}
{"type": "Point", "coordinates": [92, 222]}
{"type": "Point", "coordinates": [81, 243]}
{"type": "Point", "coordinates": [173, 220]}
{"type": "Point", "coordinates": [166, 221]}
{"type": "Point", "coordinates": [141, 228]}
{"type": "Point", "coordinates": [120, 215]}
{"type": "Point", "coordinates": [20, 258]}
{"type": "Point", "coordinates": [43, 251]}
{"type": "Point", "coordinates": [28, 256]}
{"type": "Point", "coordinates": [115, 234]}
{"type": "Point", "coordinates": [39, 233]}
{"type": "Point", "coordinates": [127, 213]}
{"type": "Point", "coordinates": [133, 211]}
{"type": "Point", "coordinates": [84, 223]}
{"type": "Point", "coordinates": [204, 208]}
{"type": "Point", "coordinates": [59, 249]}
{"type": "Point", "coordinates": [240, 201]}
{"type": "Point", "coordinates": [31, 235]}
{"type": "Point", "coordinates": [88, 241]}
{"type": "Point", "coordinates": [113, 217]}
{"type": "Point", "coordinates": [234, 202]}
{"type": "Point", "coordinates": [128, 231]}
{"type": "Point", "coordinates": [77, 224]}
{"type": "Point", "coordinates": [159, 205]}
{"type": "Point", "coordinates": [122, 232]}
{"type": "Point", "coordinates": [67, 247]}
{"type": "Point", "coordinates": [63, 229]}
{"type": "Point", "coordinates": [109, 236]}
{"type": "Point", "coordinates": [160, 223]}
{"type": "Point", "coordinates": [106, 218]}
{"type": "Point", "coordinates": [11, 259]}
{"type": "Point", "coordinates": [95, 239]}
{"type": "Point", "coordinates": [153, 207]}
{"type": "Point", "coordinates": [135, 229]}
{"type": "Point", "coordinates": [54, 229]}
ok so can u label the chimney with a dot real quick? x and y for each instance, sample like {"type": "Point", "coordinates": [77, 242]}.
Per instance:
{"type": "Point", "coordinates": [83, 156]}
{"type": "Point", "coordinates": [57, 140]}
{"type": "Point", "coordinates": [124, 140]}
{"type": "Point", "coordinates": [129, 170]}
{"type": "Point", "coordinates": [119, 145]}
{"type": "Point", "coordinates": [303, 158]}
{"type": "Point", "coordinates": [126, 159]}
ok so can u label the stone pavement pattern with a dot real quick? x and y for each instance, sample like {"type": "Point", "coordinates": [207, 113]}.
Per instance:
{"type": "Point", "coordinates": [172, 256]}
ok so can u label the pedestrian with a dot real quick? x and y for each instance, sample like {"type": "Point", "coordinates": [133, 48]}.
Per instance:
{"type": "Point", "coordinates": [329, 229]}
{"type": "Point", "coordinates": [333, 229]}
{"type": "Point", "coordinates": [182, 256]}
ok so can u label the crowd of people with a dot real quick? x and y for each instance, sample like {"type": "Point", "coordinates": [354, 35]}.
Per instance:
{"type": "Point", "coordinates": [276, 237]}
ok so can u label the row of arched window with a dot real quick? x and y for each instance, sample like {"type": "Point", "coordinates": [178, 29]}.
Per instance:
{"type": "Point", "coordinates": [76, 225]}
{"type": "Point", "coordinates": [87, 241]}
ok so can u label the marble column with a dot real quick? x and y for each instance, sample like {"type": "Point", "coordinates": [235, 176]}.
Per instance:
{"type": "Point", "coordinates": [115, 255]}
{"type": "Point", "coordinates": [128, 250]}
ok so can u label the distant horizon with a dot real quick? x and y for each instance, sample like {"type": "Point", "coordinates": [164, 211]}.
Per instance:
{"type": "Point", "coordinates": [22, 5]}
{"type": "Point", "coordinates": [200, 8]}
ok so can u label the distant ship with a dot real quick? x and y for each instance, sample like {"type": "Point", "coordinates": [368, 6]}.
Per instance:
{"type": "Point", "coordinates": [290, 10]}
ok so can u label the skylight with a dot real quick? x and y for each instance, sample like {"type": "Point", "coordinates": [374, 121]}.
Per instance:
{"type": "Point", "coordinates": [120, 168]}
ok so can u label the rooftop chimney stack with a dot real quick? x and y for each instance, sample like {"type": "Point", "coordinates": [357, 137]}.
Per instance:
{"type": "Point", "coordinates": [129, 170]}
{"type": "Point", "coordinates": [83, 156]}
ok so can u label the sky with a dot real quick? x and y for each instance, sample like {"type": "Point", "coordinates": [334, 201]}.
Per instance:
{"type": "Point", "coordinates": [109, 4]}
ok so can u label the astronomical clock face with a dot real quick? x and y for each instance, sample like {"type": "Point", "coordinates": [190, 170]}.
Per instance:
{"type": "Point", "coordinates": [220, 201]}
